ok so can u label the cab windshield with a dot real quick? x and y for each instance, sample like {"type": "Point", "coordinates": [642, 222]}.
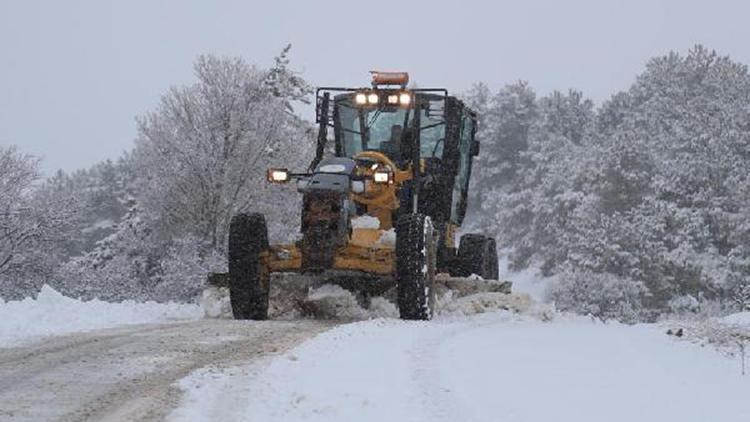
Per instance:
{"type": "Point", "coordinates": [382, 129]}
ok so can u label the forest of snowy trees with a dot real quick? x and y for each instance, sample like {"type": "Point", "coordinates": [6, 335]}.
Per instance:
{"type": "Point", "coordinates": [638, 206]}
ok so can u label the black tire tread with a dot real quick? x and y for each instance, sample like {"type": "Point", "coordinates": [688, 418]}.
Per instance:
{"type": "Point", "coordinates": [248, 281]}
{"type": "Point", "coordinates": [413, 302]}
{"type": "Point", "coordinates": [477, 254]}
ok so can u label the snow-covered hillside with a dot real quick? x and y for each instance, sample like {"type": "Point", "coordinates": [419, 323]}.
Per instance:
{"type": "Point", "coordinates": [491, 367]}
{"type": "Point", "coordinates": [54, 314]}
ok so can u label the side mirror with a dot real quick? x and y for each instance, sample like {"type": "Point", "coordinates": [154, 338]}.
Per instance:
{"type": "Point", "coordinates": [475, 148]}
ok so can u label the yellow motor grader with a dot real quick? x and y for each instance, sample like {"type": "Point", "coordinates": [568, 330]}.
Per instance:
{"type": "Point", "coordinates": [382, 211]}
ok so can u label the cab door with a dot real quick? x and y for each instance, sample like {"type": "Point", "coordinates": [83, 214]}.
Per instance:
{"type": "Point", "coordinates": [461, 184]}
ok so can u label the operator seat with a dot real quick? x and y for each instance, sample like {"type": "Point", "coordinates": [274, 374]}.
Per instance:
{"type": "Point", "coordinates": [392, 147]}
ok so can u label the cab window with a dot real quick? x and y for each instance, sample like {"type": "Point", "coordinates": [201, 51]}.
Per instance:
{"type": "Point", "coordinates": [461, 184]}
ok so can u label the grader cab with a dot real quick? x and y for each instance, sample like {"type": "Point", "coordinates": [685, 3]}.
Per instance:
{"type": "Point", "coordinates": [380, 213]}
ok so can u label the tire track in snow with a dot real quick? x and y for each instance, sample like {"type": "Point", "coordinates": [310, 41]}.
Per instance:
{"type": "Point", "coordinates": [438, 398]}
{"type": "Point", "coordinates": [129, 373]}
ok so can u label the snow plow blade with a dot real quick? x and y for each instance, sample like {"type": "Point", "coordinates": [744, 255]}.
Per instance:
{"type": "Point", "coordinates": [340, 296]}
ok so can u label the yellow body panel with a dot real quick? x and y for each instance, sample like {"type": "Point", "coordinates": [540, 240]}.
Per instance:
{"type": "Point", "coordinates": [364, 238]}
{"type": "Point", "coordinates": [283, 258]}
{"type": "Point", "coordinates": [364, 250]}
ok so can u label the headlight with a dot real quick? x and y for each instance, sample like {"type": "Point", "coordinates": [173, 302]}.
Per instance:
{"type": "Point", "coordinates": [360, 98]}
{"type": "Point", "coordinates": [372, 98]}
{"type": "Point", "coordinates": [381, 176]}
{"type": "Point", "coordinates": [277, 175]}
{"type": "Point", "coordinates": [404, 98]}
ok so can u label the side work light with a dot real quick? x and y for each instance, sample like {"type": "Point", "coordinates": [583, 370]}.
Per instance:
{"type": "Point", "coordinates": [277, 175]}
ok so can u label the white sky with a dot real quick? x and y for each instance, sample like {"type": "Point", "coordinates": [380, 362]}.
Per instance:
{"type": "Point", "coordinates": [74, 74]}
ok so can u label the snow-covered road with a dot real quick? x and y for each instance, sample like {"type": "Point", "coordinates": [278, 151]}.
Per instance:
{"type": "Point", "coordinates": [536, 365]}
{"type": "Point", "coordinates": [128, 373]}
{"type": "Point", "coordinates": [491, 367]}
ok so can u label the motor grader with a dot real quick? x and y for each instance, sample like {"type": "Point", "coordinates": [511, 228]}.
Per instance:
{"type": "Point", "coordinates": [381, 212]}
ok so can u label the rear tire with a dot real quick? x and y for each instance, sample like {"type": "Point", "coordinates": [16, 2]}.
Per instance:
{"type": "Point", "coordinates": [248, 275]}
{"type": "Point", "coordinates": [415, 266]}
{"type": "Point", "coordinates": [477, 254]}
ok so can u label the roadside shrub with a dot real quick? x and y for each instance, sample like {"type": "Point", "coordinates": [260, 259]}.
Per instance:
{"type": "Point", "coordinates": [602, 295]}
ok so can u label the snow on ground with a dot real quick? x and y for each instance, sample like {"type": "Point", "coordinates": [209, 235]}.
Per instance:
{"type": "Point", "coordinates": [740, 318]}
{"type": "Point", "coordinates": [53, 314]}
{"type": "Point", "coordinates": [101, 224]}
{"type": "Point", "coordinates": [491, 367]}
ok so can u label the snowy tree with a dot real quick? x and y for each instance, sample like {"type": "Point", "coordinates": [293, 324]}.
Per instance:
{"type": "Point", "coordinates": [741, 295]}
{"type": "Point", "coordinates": [184, 269]}
{"type": "Point", "coordinates": [505, 121]}
{"type": "Point", "coordinates": [686, 124]}
{"type": "Point", "coordinates": [17, 174]}
{"type": "Point", "coordinates": [602, 295]}
{"type": "Point", "coordinates": [32, 222]}
{"type": "Point", "coordinates": [534, 211]}
{"type": "Point", "coordinates": [204, 151]}
{"type": "Point", "coordinates": [124, 265]}
{"type": "Point", "coordinates": [102, 194]}
{"type": "Point", "coordinates": [154, 222]}
{"type": "Point", "coordinates": [285, 84]}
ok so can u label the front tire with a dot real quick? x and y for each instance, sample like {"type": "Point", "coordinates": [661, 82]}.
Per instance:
{"type": "Point", "coordinates": [248, 275]}
{"type": "Point", "coordinates": [477, 254]}
{"type": "Point", "coordinates": [415, 266]}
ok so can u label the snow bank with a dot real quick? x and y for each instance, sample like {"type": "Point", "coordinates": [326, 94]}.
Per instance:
{"type": "Point", "coordinates": [741, 318]}
{"type": "Point", "coordinates": [54, 314]}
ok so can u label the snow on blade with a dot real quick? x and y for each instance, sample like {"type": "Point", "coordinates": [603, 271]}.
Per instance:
{"type": "Point", "coordinates": [387, 238]}
{"type": "Point", "coordinates": [334, 302]}
{"type": "Point", "coordinates": [215, 302]}
{"type": "Point", "coordinates": [482, 302]}
{"type": "Point", "coordinates": [54, 314]}
{"type": "Point", "coordinates": [365, 222]}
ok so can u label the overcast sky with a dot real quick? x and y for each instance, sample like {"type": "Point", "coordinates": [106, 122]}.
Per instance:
{"type": "Point", "coordinates": [74, 74]}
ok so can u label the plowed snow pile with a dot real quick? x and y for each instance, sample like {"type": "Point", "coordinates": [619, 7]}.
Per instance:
{"type": "Point", "coordinates": [52, 314]}
{"type": "Point", "coordinates": [334, 302]}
